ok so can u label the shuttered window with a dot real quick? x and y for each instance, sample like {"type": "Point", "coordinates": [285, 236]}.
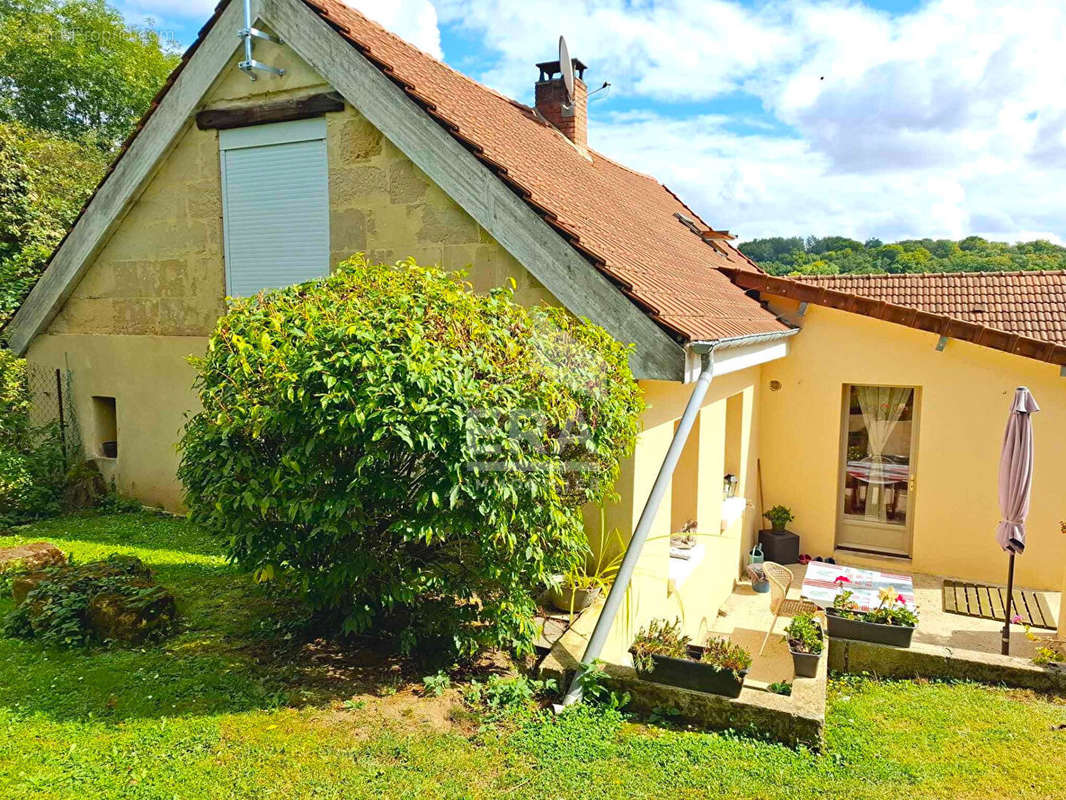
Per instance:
{"type": "Point", "coordinates": [275, 201]}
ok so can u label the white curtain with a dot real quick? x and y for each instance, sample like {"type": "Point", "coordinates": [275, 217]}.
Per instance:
{"type": "Point", "coordinates": [881, 406]}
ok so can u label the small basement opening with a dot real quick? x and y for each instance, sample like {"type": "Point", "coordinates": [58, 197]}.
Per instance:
{"type": "Point", "coordinates": [105, 427]}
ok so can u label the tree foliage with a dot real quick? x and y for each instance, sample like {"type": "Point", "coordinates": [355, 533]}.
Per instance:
{"type": "Point", "coordinates": [416, 455]}
{"type": "Point", "coordinates": [834, 255]}
{"type": "Point", "coordinates": [44, 180]}
{"type": "Point", "coordinates": [76, 69]}
{"type": "Point", "coordinates": [74, 78]}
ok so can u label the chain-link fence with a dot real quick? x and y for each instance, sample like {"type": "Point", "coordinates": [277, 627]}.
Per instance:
{"type": "Point", "coordinates": [53, 407]}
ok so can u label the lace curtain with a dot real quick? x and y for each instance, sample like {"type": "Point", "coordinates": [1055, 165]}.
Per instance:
{"type": "Point", "coordinates": [882, 407]}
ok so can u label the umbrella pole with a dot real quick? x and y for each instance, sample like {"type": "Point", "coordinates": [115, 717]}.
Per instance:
{"type": "Point", "coordinates": [1005, 649]}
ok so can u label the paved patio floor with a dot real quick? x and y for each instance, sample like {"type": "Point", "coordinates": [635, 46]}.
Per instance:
{"type": "Point", "coordinates": [746, 616]}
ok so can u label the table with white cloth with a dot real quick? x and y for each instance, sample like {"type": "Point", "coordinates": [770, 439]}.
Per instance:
{"type": "Point", "coordinates": [820, 585]}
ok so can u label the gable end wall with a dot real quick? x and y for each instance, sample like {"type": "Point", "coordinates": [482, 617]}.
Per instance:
{"type": "Point", "coordinates": [154, 291]}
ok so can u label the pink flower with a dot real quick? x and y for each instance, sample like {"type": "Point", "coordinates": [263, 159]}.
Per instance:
{"type": "Point", "coordinates": [1016, 619]}
{"type": "Point", "coordinates": [900, 600]}
{"type": "Point", "coordinates": [842, 579]}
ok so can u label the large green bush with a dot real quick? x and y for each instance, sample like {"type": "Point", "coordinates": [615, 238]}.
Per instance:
{"type": "Point", "coordinates": [414, 453]}
{"type": "Point", "coordinates": [32, 466]}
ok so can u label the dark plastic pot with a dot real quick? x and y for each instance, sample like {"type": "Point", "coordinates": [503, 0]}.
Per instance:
{"type": "Point", "coordinates": [846, 628]}
{"type": "Point", "coordinates": [687, 673]}
{"type": "Point", "coordinates": [110, 449]}
{"type": "Point", "coordinates": [805, 665]}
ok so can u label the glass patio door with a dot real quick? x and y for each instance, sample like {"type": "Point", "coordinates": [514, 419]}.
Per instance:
{"type": "Point", "coordinates": [877, 475]}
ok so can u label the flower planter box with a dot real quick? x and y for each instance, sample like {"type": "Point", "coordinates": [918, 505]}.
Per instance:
{"type": "Point", "coordinates": [695, 675]}
{"type": "Point", "coordinates": [841, 627]}
{"type": "Point", "coordinates": [805, 665]}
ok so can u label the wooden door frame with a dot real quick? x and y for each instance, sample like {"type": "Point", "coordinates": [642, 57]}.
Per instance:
{"type": "Point", "coordinates": [912, 483]}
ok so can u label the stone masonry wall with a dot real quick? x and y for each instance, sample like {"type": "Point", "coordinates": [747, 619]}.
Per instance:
{"type": "Point", "coordinates": [162, 272]}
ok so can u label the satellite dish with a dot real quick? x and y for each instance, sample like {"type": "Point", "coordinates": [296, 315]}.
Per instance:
{"type": "Point", "coordinates": [566, 67]}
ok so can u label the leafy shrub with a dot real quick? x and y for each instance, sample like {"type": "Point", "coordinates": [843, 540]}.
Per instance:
{"type": "Point", "coordinates": [437, 684]}
{"type": "Point", "coordinates": [804, 635]}
{"type": "Point", "coordinates": [515, 693]}
{"type": "Point", "coordinates": [780, 687]}
{"type": "Point", "coordinates": [592, 679]}
{"type": "Point", "coordinates": [32, 466]}
{"type": "Point", "coordinates": [415, 454]}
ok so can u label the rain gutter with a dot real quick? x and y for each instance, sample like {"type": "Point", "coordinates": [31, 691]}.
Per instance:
{"type": "Point", "coordinates": [706, 351]}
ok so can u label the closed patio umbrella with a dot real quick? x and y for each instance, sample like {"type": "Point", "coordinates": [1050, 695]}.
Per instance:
{"type": "Point", "coordinates": [1015, 482]}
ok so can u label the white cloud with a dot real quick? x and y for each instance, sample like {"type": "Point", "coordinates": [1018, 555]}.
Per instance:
{"type": "Point", "coordinates": [768, 185]}
{"type": "Point", "coordinates": [681, 49]}
{"type": "Point", "coordinates": [941, 122]}
{"type": "Point", "coordinates": [413, 20]}
{"type": "Point", "coordinates": [945, 121]}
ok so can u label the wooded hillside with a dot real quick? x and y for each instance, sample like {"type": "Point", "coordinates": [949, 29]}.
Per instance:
{"type": "Point", "coordinates": [832, 255]}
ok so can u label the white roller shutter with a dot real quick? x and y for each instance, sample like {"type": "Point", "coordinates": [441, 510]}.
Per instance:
{"type": "Point", "coordinates": [275, 201]}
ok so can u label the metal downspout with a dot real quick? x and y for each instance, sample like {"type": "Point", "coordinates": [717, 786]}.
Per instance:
{"type": "Point", "coordinates": [644, 524]}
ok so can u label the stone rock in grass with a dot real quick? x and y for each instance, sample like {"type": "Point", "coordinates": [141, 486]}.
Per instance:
{"type": "Point", "coordinates": [31, 557]}
{"type": "Point", "coordinates": [24, 584]}
{"type": "Point", "coordinates": [115, 566]}
{"type": "Point", "coordinates": [121, 600]}
{"type": "Point", "coordinates": [120, 618]}
{"type": "Point", "coordinates": [85, 487]}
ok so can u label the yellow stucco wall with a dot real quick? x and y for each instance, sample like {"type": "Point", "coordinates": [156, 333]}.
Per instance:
{"type": "Point", "coordinates": [965, 393]}
{"type": "Point", "coordinates": [152, 385]}
{"type": "Point", "coordinates": [156, 287]}
{"type": "Point", "coordinates": [697, 600]}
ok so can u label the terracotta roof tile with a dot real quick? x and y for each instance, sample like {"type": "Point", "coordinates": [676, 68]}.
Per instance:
{"type": "Point", "coordinates": [1035, 342]}
{"type": "Point", "coordinates": [623, 221]}
{"type": "Point", "coordinates": [1030, 304]}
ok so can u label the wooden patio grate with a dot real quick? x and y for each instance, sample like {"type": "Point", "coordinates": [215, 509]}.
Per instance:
{"type": "Point", "coordinates": [987, 601]}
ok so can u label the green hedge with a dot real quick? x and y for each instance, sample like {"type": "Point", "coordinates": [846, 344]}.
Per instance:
{"type": "Point", "coordinates": [415, 454]}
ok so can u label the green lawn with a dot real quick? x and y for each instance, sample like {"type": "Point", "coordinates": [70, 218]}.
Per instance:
{"type": "Point", "coordinates": [234, 706]}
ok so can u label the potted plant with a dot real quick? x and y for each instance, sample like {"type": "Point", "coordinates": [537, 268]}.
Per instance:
{"type": "Point", "coordinates": [805, 642]}
{"type": "Point", "coordinates": [578, 588]}
{"type": "Point", "coordinates": [779, 517]}
{"type": "Point", "coordinates": [663, 654]}
{"type": "Point", "coordinates": [890, 623]}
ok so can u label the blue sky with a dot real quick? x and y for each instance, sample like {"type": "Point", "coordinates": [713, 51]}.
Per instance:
{"type": "Point", "coordinates": [885, 118]}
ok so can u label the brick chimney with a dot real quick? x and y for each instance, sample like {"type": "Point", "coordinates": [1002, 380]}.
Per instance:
{"type": "Point", "coordinates": [572, 119]}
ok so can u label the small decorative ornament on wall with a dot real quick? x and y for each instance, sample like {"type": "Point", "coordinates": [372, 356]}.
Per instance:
{"type": "Point", "coordinates": [775, 386]}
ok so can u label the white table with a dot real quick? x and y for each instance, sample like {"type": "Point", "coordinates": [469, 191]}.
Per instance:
{"type": "Point", "coordinates": [820, 585]}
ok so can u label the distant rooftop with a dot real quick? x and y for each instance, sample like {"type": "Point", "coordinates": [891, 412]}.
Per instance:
{"type": "Point", "coordinates": [1029, 303]}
